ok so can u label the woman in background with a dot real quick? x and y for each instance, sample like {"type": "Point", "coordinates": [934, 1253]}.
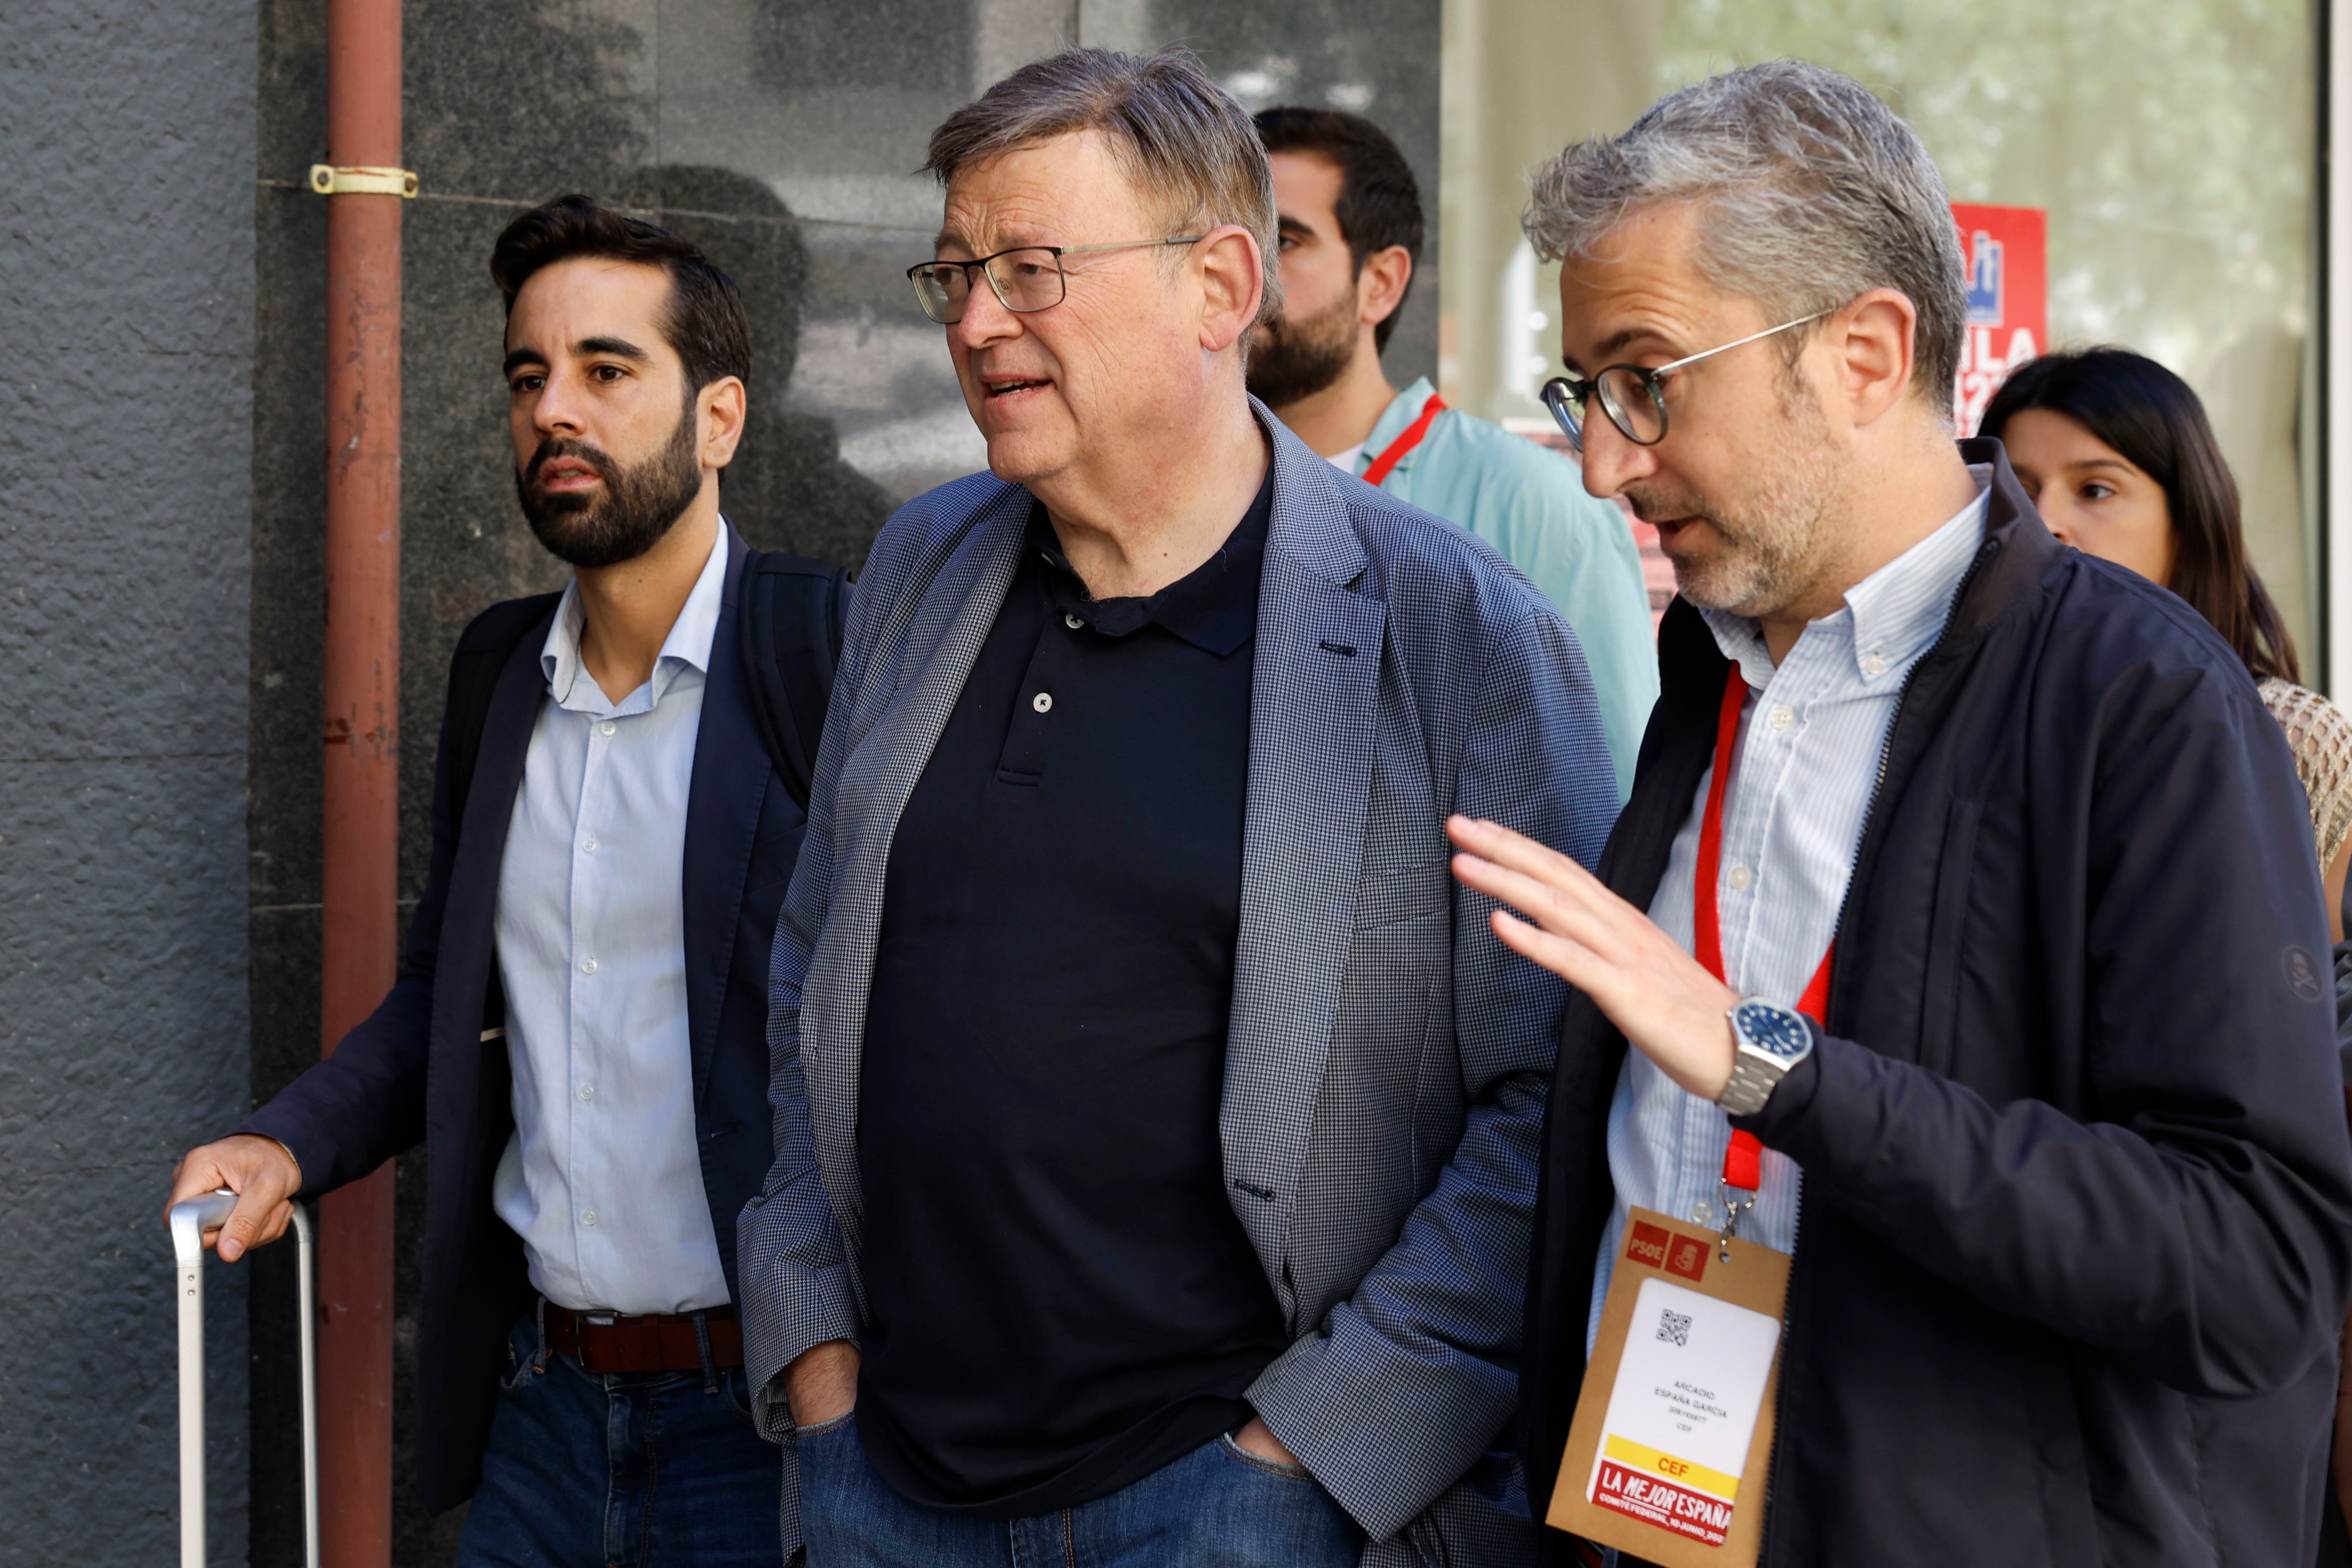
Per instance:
{"type": "Point", "coordinates": [2122, 464]}
{"type": "Point", "coordinates": [2120, 461]}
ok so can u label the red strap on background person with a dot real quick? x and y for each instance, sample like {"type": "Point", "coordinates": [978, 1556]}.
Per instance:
{"type": "Point", "coordinates": [1406, 442]}
{"type": "Point", "coordinates": [1743, 1161]}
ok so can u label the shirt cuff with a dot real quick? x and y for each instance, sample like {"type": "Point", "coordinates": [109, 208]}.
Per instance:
{"type": "Point", "coordinates": [289, 1154]}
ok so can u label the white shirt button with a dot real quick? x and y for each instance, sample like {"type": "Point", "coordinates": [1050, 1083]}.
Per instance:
{"type": "Point", "coordinates": [589, 845]}
{"type": "Point", "coordinates": [1071, 621]}
{"type": "Point", "coordinates": [1702, 1213]}
{"type": "Point", "coordinates": [587, 966]}
{"type": "Point", "coordinates": [1782, 718]}
{"type": "Point", "coordinates": [1740, 877]}
{"type": "Point", "coordinates": [1042, 702]}
{"type": "Point", "coordinates": [587, 1091]}
{"type": "Point", "coordinates": [588, 1218]}
{"type": "Point", "coordinates": [1872, 664]}
{"type": "Point", "coordinates": [606, 727]}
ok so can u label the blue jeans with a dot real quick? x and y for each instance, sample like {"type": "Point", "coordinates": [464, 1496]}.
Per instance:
{"type": "Point", "coordinates": [1217, 1506]}
{"type": "Point", "coordinates": [639, 1470]}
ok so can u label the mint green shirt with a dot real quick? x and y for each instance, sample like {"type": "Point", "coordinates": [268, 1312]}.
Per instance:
{"type": "Point", "coordinates": [1530, 504]}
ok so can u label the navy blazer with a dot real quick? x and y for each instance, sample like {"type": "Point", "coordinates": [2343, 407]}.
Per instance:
{"type": "Point", "coordinates": [419, 1070]}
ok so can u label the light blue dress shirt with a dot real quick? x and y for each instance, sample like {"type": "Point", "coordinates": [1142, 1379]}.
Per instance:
{"type": "Point", "coordinates": [1530, 504]}
{"type": "Point", "coordinates": [1811, 736]}
{"type": "Point", "coordinates": [600, 1179]}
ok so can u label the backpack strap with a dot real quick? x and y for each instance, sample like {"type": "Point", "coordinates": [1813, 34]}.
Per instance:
{"type": "Point", "coordinates": [791, 613]}
{"type": "Point", "coordinates": [483, 650]}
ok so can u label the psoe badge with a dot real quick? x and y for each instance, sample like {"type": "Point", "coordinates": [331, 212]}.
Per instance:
{"type": "Point", "coordinates": [1676, 1411]}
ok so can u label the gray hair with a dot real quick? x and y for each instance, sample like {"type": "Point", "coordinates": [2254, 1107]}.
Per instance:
{"type": "Point", "coordinates": [1180, 137]}
{"type": "Point", "coordinates": [1811, 192]}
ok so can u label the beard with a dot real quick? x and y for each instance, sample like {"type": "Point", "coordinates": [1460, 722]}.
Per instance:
{"type": "Point", "coordinates": [637, 507]}
{"type": "Point", "coordinates": [1770, 546]}
{"type": "Point", "coordinates": [1299, 356]}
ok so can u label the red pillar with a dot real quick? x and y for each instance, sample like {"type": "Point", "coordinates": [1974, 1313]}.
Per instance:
{"type": "Point", "coordinates": [360, 850]}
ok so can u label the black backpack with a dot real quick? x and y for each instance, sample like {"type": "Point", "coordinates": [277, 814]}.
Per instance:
{"type": "Point", "coordinates": [790, 612]}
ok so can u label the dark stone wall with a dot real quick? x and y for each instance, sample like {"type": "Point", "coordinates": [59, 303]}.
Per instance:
{"type": "Point", "coordinates": [782, 136]}
{"type": "Point", "coordinates": [126, 431]}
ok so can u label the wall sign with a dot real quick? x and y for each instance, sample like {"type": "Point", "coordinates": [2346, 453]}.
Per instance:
{"type": "Point", "coordinates": [2005, 252]}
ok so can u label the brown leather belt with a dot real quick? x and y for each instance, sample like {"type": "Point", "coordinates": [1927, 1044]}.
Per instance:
{"type": "Point", "coordinates": [609, 1342]}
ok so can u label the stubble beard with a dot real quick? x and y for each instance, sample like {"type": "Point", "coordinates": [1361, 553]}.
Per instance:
{"type": "Point", "coordinates": [1295, 357]}
{"type": "Point", "coordinates": [639, 505]}
{"type": "Point", "coordinates": [1770, 546]}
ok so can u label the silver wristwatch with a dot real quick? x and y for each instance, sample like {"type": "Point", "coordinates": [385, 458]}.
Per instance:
{"type": "Point", "coordinates": [1771, 1040]}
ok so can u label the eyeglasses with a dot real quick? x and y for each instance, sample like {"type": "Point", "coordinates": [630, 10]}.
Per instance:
{"type": "Point", "coordinates": [1632, 397]}
{"type": "Point", "coordinates": [1026, 279]}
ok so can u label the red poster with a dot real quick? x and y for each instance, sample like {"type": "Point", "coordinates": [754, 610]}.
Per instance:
{"type": "Point", "coordinates": [2004, 252]}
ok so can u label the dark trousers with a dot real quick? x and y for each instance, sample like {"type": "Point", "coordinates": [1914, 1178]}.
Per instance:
{"type": "Point", "coordinates": [639, 1470]}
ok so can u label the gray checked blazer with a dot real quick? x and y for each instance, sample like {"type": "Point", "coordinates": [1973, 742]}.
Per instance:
{"type": "Point", "coordinates": [1387, 1059]}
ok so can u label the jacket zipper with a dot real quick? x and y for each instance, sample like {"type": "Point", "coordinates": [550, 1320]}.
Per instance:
{"type": "Point", "coordinates": [1885, 750]}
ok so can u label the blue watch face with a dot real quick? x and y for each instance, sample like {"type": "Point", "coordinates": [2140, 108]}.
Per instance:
{"type": "Point", "coordinates": [1775, 1031]}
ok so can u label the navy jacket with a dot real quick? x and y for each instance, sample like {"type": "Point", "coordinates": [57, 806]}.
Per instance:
{"type": "Point", "coordinates": [2077, 1228]}
{"type": "Point", "coordinates": [418, 1070]}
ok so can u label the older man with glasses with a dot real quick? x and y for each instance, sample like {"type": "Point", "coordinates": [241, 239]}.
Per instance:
{"type": "Point", "coordinates": [1963, 910]}
{"type": "Point", "coordinates": [1155, 1123]}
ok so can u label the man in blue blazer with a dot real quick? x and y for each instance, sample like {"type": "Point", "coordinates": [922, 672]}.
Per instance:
{"type": "Point", "coordinates": [577, 1035]}
{"type": "Point", "coordinates": [1155, 1127]}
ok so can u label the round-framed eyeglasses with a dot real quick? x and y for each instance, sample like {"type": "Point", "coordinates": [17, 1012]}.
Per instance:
{"type": "Point", "coordinates": [1634, 397]}
{"type": "Point", "coordinates": [1025, 279]}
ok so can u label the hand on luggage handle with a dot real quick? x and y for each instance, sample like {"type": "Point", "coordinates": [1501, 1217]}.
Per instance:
{"type": "Point", "coordinates": [190, 1220]}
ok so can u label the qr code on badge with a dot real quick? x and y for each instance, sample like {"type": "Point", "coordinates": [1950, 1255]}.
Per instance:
{"type": "Point", "coordinates": [1674, 1327]}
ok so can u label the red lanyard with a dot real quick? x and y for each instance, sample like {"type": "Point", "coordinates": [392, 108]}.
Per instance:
{"type": "Point", "coordinates": [1743, 1161]}
{"type": "Point", "coordinates": [1406, 442]}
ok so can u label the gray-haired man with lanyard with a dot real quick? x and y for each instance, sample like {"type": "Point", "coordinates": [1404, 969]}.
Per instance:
{"type": "Point", "coordinates": [2077, 1200]}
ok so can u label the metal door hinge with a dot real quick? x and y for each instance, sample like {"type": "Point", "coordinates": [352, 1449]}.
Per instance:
{"type": "Point", "coordinates": [329, 180]}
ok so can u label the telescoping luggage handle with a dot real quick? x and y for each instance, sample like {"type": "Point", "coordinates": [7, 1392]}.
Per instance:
{"type": "Point", "coordinates": [190, 1220]}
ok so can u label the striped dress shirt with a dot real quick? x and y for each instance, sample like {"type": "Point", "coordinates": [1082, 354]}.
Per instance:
{"type": "Point", "coordinates": [603, 1178]}
{"type": "Point", "coordinates": [1809, 740]}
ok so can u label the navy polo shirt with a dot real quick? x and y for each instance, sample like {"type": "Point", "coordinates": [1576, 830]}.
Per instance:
{"type": "Point", "coordinates": [1061, 1300]}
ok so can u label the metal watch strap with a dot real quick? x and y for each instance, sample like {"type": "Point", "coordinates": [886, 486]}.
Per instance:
{"type": "Point", "coordinates": [1754, 1076]}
